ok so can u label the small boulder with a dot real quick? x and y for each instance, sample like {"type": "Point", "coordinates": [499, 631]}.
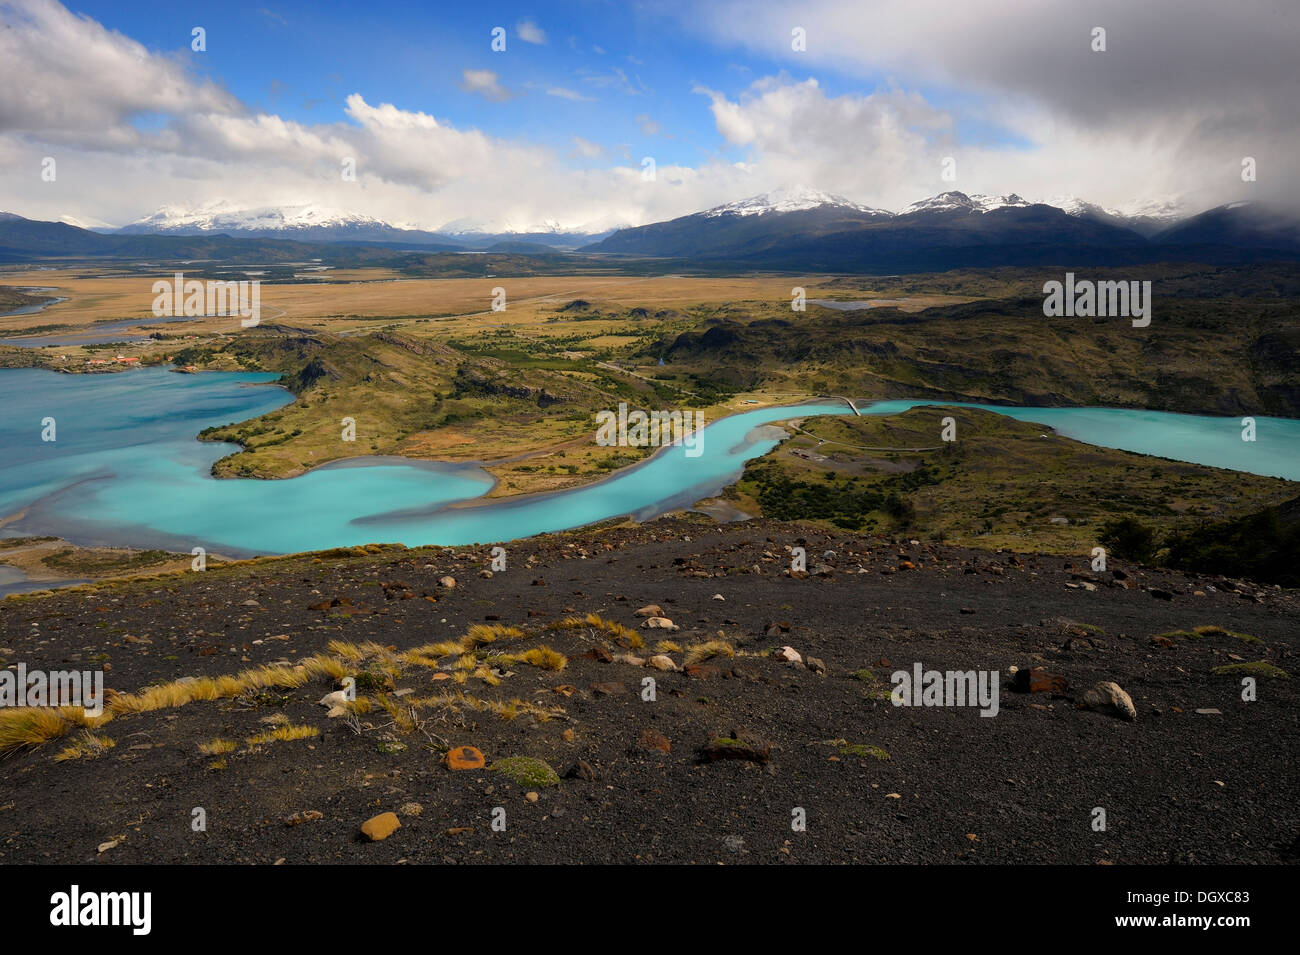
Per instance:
{"type": "Point", "coordinates": [380, 827]}
{"type": "Point", "coordinates": [580, 770]}
{"type": "Point", "coordinates": [650, 610]}
{"type": "Point", "coordinates": [788, 655]}
{"type": "Point", "coordinates": [448, 582]}
{"type": "Point", "coordinates": [1038, 680]}
{"type": "Point", "coordinates": [1109, 698]}
{"type": "Point", "coordinates": [662, 661]}
{"type": "Point", "coordinates": [650, 739]}
{"type": "Point", "coordinates": [464, 757]}
{"type": "Point", "coordinates": [660, 623]}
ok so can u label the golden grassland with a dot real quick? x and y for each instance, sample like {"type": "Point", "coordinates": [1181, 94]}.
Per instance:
{"type": "Point", "coordinates": [351, 299]}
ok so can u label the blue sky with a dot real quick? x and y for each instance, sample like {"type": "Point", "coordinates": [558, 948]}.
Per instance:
{"type": "Point", "coordinates": [634, 65]}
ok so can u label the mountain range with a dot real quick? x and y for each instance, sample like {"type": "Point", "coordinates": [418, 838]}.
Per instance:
{"type": "Point", "coordinates": [313, 223]}
{"type": "Point", "coordinates": [821, 232]}
{"type": "Point", "coordinates": [790, 229]}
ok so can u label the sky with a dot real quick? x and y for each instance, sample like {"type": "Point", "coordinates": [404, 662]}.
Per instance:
{"type": "Point", "coordinates": [561, 128]}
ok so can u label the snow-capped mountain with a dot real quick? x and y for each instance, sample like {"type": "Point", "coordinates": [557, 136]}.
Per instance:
{"type": "Point", "coordinates": [87, 222]}
{"type": "Point", "coordinates": [960, 202]}
{"type": "Point", "coordinates": [305, 222]}
{"type": "Point", "coordinates": [1146, 217]}
{"type": "Point", "coordinates": [795, 199]}
{"type": "Point", "coordinates": [806, 229]}
{"type": "Point", "coordinates": [229, 218]}
{"type": "Point", "coordinates": [310, 222]}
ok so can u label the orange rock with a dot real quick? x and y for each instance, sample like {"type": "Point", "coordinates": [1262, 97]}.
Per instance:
{"type": "Point", "coordinates": [381, 826]}
{"type": "Point", "coordinates": [464, 757]}
{"type": "Point", "coordinates": [653, 740]}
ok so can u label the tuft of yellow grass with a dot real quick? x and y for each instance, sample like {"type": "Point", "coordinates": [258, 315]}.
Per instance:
{"type": "Point", "coordinates": [545, 658]}
{"type": "Point", "coordinates": [88, 746]}
{"type": "Point", "coordinates": [481, 633]}
{"type": "Point", "coordinates": [697, 652]}
{"type": "Point", "coordinates": [623, 636]}
{"type": "Point", "coordinates": [349, 651]}
{"type": "Point", "coordinates": [429, 654]}
{"type": "Point", "coordinates": [323, 665]}
{"type": "Point", "coordinates": [284, 733]}
{"type": "Point", "coordinates": [218, 747]}
{"type": "Point", "coordinates": [668, 646]}
{"type": "Point", "coordinates": [31, 726]}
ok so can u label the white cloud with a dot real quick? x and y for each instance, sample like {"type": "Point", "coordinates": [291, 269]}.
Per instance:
{"type": "Point", "coordinates": [530, 32]}
{"type": "Point", "coordinates": [486, 84]}
{"type": "Point", "coordinates": [587, 149]}
{"type": "Point", "coordinates": [1183, 91]}
{"type": "Point", "coordinates": [569, 94]}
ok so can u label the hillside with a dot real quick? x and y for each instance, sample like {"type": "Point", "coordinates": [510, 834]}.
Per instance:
{"type": "Point", "coordinates": [585, 770]}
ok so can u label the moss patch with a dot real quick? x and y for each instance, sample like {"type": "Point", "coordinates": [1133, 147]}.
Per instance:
{"type": "Point", "coordinates": [526, 771]}
{"type": "Point", "coordinates": [863, 750]}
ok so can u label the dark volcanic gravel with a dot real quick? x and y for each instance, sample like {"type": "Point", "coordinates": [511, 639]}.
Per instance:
{"type": "Point", "coordinates": [1176, 785]}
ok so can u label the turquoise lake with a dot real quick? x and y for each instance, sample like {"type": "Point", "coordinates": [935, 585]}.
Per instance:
{"type": "Point", "coordinates": [126, 468]}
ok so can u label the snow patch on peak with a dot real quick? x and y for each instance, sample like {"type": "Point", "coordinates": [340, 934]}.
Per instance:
{"type": "Point", "coordinates": [85, 222]}
{"type": "Point", "coordinates": [789, 199]}
{"type": "Point", "coordinates": [959, 201]}
{"type": "Point", "coordinates": [1159, 207]}
{"type": "Point", "coordinates": [220, 215]}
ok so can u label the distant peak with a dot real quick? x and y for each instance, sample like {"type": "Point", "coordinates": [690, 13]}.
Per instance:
{"type": "Point", "coordinates": [789, 199]}
{"type": "Point", "coordinates": [960, 201]}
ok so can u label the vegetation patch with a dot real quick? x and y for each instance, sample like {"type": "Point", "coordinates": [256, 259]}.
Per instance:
{"type": "Point", "coordinates": [526, 771]}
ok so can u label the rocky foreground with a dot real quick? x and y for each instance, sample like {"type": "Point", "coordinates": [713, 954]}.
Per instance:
{"type": "Point", "coordinates": [495, 721]}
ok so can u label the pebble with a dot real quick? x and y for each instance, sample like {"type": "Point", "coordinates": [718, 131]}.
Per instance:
{"type": "Point", "coordinates": [380, 827]}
